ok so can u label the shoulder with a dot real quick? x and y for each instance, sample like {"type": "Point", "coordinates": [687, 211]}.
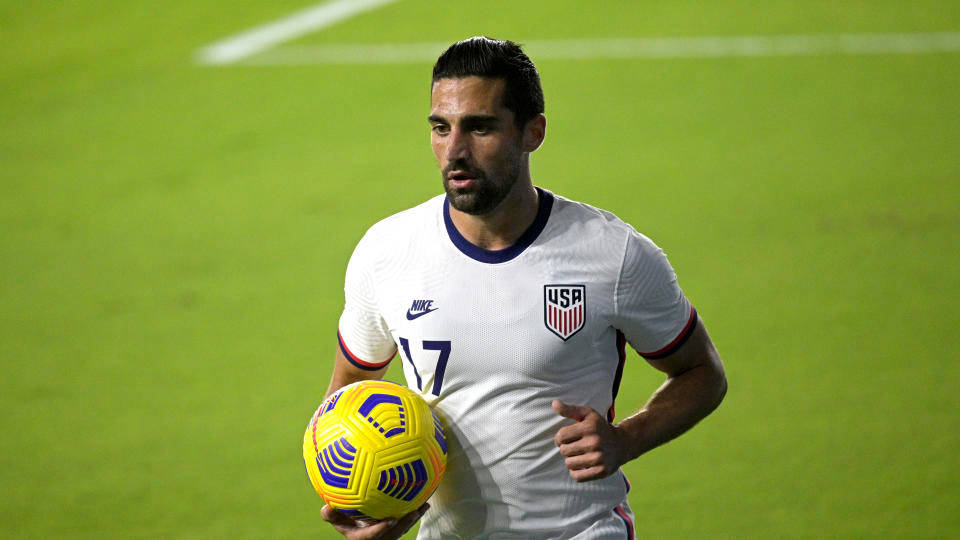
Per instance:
{"type": "Point", "coordinates": [578, 220]}
{"type": "Point", "coordinates": [599, 236]}
{"type": "Point", "coordinates": [423, 215]}
{"type": "Point", "coordinates": [396, 232]}
{"type": "Point", "coordinates": [571, 211]}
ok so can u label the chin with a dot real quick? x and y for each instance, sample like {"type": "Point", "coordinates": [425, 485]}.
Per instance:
{"type": "Point", "coordinates": [480, 199]}
{"type": "Point", "coordinates": [465, 202]}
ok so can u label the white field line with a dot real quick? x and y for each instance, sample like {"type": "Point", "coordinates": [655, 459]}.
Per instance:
{"type": "Point", "coordinates": [303, 22]}
{"type": "Point", "coordinates": [667, 47]}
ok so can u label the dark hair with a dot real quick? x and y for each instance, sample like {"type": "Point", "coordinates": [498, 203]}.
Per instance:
{"type": "Point", "coordinates": [496, 59]}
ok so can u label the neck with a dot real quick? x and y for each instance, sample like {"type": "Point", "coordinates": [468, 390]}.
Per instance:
{"type": "Point", "coordinates": [500, 228]}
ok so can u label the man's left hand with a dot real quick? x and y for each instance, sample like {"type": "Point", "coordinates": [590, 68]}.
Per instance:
{"type": "Point", "coordinates": [593, 448]}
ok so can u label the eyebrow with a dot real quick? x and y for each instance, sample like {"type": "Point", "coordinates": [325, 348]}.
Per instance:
{"type": "Point", "coordinates": [472, 119]}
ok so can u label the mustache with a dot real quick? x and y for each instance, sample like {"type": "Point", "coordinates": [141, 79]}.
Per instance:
{"type": "Point", "coordinates": [462, 165]}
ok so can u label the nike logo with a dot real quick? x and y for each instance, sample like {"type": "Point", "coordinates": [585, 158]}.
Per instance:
{"type": "Point", "coordinates": [420, 308]}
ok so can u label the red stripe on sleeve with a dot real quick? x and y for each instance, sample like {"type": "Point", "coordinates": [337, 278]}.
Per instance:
{"type": "Point", "coordinates": [678, 341]}
{"type": "Point", "coordinates": [362, 364]}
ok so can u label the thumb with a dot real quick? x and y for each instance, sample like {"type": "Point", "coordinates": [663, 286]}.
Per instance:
{"type": "Point", "coordinates": [574, 412]}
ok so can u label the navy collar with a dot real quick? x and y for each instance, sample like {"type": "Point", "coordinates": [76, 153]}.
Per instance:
{"type": "Point", "coordinates": [506, 254]}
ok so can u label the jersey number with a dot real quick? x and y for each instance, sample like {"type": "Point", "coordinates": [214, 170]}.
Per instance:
{"type": "Point", "coordinates": [443, 347]}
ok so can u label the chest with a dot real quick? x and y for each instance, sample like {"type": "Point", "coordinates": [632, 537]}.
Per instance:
{"type": "Point", "coordinates": [508, 325]}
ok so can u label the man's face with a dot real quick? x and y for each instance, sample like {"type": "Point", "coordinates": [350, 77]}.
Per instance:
{"type": "Point", "coordinates": [478, 146]}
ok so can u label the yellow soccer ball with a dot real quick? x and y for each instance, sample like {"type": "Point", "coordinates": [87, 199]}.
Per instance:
{"type": "Point", "coordinates": [375, 449]}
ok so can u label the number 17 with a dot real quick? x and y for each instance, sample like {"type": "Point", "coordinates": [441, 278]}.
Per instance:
{"type": "Point", "coordinates": [443, 347]}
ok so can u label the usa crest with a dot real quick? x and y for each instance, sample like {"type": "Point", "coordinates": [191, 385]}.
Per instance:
{"type": "Point", "coordinates": [564, 309]}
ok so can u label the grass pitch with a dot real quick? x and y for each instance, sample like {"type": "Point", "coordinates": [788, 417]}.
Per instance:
{"type": "Point", "coordinates": [173, 239]}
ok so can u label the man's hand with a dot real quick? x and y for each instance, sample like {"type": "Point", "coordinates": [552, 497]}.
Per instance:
{"type": "Point", "coordinates": [388, 529]}
{"type": "Point", "coordinates": [593, 448]}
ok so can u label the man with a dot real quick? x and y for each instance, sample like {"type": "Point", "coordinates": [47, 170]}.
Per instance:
{"type": "Point", "coordinates": [510, 308]}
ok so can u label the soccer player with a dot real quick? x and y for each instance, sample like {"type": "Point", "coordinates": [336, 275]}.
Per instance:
{"type": "Point", "coordinates": [510, 308]}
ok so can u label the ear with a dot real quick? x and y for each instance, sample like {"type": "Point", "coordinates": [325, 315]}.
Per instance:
{"type": "Point", "coordinates": [534, 133]}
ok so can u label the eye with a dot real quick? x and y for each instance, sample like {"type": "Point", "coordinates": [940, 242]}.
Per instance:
{"type": "Point", "coordinates": [481, 130]}
{"type": "Point", "coordinates": [441, 129]}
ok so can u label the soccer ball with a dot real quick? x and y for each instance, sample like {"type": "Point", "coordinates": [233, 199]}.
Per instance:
{"type": "Point", "coordinates": [375, 449]}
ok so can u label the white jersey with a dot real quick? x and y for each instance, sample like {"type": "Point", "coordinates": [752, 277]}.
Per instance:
{"type": "Point", "coordinates": [491, 338]}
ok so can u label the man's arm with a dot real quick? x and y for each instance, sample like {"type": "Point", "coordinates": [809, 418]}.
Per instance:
{"type": "Point", "coordinates": [344, 373]}
{"type": "Point", "coordinates": [695, 386]}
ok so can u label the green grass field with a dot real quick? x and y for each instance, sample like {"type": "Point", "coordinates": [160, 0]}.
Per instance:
{"type": "Point", "coordinates": [173, 239]}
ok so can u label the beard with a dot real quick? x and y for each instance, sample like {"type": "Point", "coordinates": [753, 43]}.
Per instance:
{"type": "Point", "coordinates": [485, 194]}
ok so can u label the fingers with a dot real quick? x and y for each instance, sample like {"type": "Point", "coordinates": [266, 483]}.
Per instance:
{"type": "Point", "coordinates": [587, 424]}
{"type": "Point", "coordinates": [589, 445]}
{"type": "Point", "coordinates": [576, 439]}
{"type": "Point", "coordinates": [407, 521]}
{"type": "Point", "coordinates": [592, 473]}
{"type": "Point", "coordinates": [388, 529]}
{"type": "Point", "coordinates": [586, 463]}
{"type": "Point", "coordinates": [352, 529]}
{"type": "Point", "coordinates": [336, 518]}
{"type": "Point", "coordinates": [584, 459]}
{"type": "Point", "coordinates": [584, 454]}
{"type": "Point", "coordinates": [573, 412]}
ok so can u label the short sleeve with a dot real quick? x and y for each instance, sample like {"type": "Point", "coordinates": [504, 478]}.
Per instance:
{"type": "Point", "coordinates": [650, 308]}
{"type": "Point", "coordinates": [363, 335]}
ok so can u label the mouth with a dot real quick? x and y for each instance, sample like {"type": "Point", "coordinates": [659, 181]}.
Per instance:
{"type": "Point", "coordinates": [461, 179]}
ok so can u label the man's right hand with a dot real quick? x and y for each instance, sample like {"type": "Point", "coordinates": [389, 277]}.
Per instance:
{"type": "Point", "coordinates": [388, 529]}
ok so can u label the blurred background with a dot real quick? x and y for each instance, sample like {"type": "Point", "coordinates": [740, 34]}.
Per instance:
{"type": "Point", "coordinates": [175, 225]}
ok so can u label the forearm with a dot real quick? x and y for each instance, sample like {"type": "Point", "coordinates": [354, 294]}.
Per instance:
{"type": "Point", "coordinates": [682, 401]}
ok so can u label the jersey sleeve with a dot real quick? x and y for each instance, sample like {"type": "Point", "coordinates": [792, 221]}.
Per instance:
{"type": "Point", "coordinates": [363, 335]}
{"type": "Point", "coordinates": [650, 308]}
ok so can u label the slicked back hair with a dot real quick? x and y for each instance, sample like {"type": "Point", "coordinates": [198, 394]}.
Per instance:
{"type": "Point", "coordinates": [496, 59]}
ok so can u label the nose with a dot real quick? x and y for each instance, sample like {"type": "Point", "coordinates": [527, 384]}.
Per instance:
{"type": "Point", "coordinates": [458, 146]}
